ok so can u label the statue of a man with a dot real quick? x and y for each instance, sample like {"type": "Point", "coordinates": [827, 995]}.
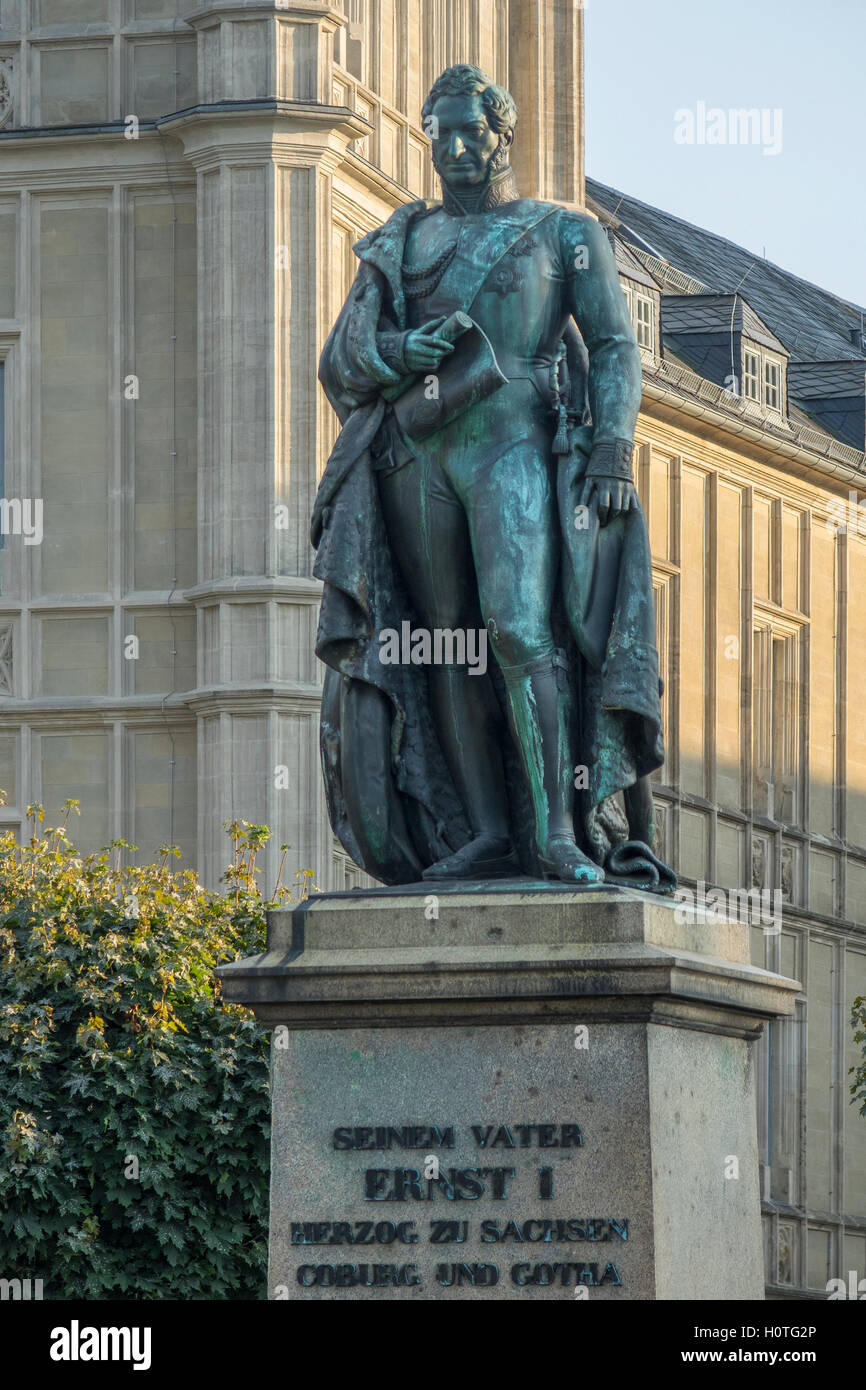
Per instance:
{"type": "Point", "coordinates": [485, 372]}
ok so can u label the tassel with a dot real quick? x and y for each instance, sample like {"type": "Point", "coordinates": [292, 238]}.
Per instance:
{"type": "Point", "coordinates": [557, 387]}
{"type": "Point", "coordinates": [560, 443]}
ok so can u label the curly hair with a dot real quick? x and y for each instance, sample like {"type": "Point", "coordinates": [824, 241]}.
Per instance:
{"type": "Point", "coordinates": [466, 80]}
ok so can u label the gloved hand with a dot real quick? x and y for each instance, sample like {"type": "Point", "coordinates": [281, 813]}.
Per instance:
{"type": "Point", "coordinates": [608, 477]}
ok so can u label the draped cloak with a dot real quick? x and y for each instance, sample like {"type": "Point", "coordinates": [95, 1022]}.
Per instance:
{"type": "Point", "coordinates": [391, 800]}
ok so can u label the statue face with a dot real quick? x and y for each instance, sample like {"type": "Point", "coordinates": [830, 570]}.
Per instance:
{"type": "Point", "coordinates": [464, 144]}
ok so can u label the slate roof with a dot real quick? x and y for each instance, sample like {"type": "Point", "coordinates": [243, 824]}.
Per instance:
{"type": "Point", "coordinates": [713, 313]}
{"type": "Point", "coordinates": [813, 324]}
{"type": "Point", "coordinates": [630, 265]}
{"type": "Point", "coordinates": [814, 379]}
{"type": "Point", "coordinates": [833, 392]}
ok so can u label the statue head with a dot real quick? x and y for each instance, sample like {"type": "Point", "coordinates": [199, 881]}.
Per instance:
{"type": "Point", "coordinates": [470, 122]}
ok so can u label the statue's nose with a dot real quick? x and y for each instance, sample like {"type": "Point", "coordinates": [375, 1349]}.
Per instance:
{"type": "Point", "coordinates": [455, 146]}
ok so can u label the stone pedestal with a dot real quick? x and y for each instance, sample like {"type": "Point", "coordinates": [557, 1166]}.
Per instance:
{"type": "Point", "coordinates": [520, 1091]}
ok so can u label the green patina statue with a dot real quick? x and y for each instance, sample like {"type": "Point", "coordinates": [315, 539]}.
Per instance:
{"type": "Point", "coordinates": [486, 376]}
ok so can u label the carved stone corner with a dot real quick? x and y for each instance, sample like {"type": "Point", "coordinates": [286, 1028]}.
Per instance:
{"type": "Point", "coordinates": [7, 90]}
{"type": "Point", "coordinates": [6, 673]}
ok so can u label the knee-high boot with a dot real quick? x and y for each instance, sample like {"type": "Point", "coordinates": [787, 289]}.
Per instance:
{"type": "Point", "coordinates": [539, 722]}
{"type": "Point", "coordinates": [468, 720]}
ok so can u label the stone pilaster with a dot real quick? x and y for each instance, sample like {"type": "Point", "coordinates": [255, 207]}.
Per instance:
{"type": "Point", "coordinates": [545, 77]}
{"type": "Point", "coordinates": [278, 49]}
{"type": "Point", "coordinates": [264, 142]}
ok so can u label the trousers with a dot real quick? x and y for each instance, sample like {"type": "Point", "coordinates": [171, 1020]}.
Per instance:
{"type": "Point", "coordinates": [473, 525]}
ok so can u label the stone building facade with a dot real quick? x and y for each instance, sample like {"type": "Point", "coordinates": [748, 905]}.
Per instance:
{"type": "Point", "coordinates": [180, 189]}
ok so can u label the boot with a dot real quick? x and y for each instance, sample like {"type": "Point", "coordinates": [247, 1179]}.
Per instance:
{"type": "Point", "coordinates": [469, 725]}
{"type": "Point", "coordinates": [539, 721]}
{"type": "Point", "coordinates": [640, 812]}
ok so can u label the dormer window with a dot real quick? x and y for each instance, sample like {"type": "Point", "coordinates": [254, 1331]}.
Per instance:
{"type": "Point", "coordinates": [643, 321]}
{"type": "Point", "coordinates": [762, 379]}
{"type": "Point", "coordinates": [642, 310]}
{"type": "Point", "coordinates": [772, 383]}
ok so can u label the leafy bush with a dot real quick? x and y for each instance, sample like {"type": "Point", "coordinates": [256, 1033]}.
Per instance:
{"type": "Point", "coordinates": [134, 1104]}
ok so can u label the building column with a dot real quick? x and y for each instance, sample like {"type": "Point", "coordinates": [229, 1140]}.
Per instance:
{"type": "Point", "coordinates": [545, 77]}
{"type": "Point", "coordinates": [263, 165]}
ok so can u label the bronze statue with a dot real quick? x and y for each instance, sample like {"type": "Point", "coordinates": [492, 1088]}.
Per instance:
{"type": "Point", "coordinates": [486, 376]}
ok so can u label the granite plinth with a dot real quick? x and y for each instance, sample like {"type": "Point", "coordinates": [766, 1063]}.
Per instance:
{"type": "Point", "coordinates": [509, 1092]}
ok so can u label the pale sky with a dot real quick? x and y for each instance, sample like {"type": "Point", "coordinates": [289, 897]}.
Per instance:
{"type": "Point", "coordinates": [646, 60]}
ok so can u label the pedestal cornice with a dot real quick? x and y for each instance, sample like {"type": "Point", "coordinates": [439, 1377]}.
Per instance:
{"type": "Point", "coordinates": [523, 952]}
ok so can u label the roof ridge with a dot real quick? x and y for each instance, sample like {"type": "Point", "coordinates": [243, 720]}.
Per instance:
{"type": "Point", "coordinates": [705, 231]}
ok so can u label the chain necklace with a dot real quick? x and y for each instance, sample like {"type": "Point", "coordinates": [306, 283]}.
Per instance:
{"type": "Point", "coordinates": [419, 282]}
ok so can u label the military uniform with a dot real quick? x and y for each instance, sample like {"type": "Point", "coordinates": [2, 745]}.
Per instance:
{"type": "Point", "coordinates": [482, 491]}
{"type": "Point", "coordinates": [473, 515]}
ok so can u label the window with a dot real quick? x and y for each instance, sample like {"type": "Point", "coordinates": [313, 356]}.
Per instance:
{"type": "Point", "coordinates": [776, 742]}
{"type": "Point", "coordinates": [642, 310]}
{"type": "Point", "coordinates": [772, 383]}
{"type": "Point", "coordinates": [762, 379]}
{"type": "Point", "coordinates": [643, 321]}
{"type": "Point", "coordinates": [751, 376]}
